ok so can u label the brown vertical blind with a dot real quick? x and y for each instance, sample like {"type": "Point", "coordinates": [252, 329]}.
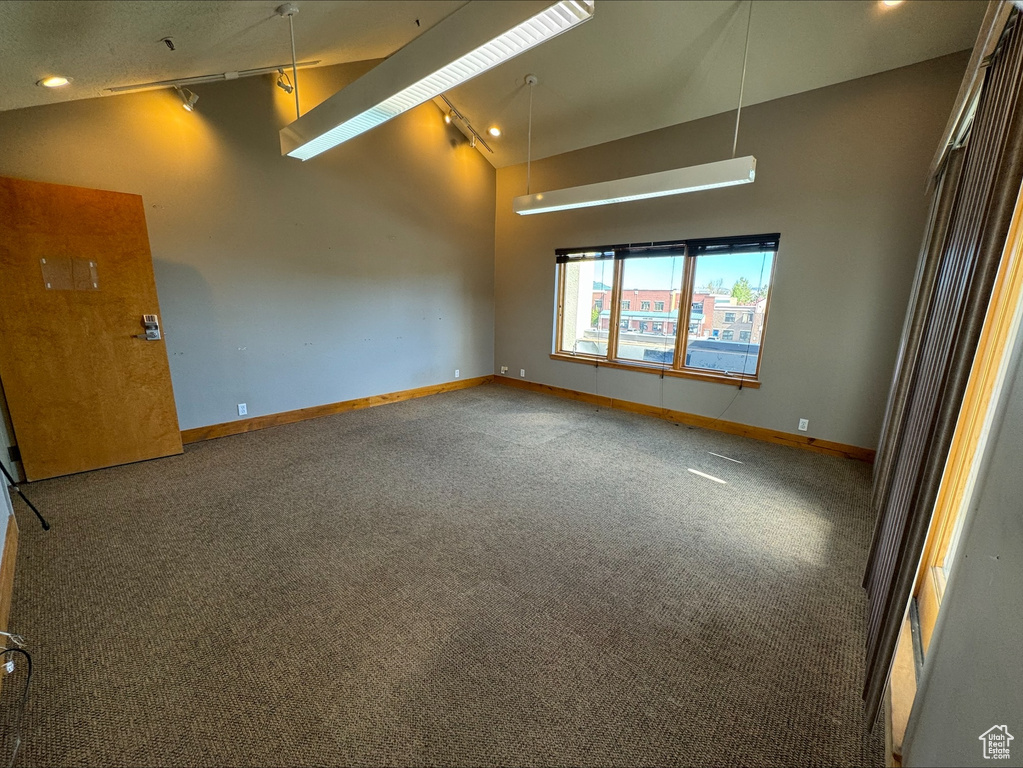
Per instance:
{"type": "Point", "coordinates": [962, 249]}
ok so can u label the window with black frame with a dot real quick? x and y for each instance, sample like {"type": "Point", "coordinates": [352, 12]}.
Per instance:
{"type": "Point", "coordinates": [695, 308]}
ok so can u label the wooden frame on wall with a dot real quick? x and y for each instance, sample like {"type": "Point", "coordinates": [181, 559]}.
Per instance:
{"type": "Point", "coordinates": [1001, 325]}
{"type": "Point", "coordinates": [678, 368]}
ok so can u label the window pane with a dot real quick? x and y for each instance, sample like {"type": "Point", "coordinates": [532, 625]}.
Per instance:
{"type": "Point", "coordinates": [644, 334]}
{"type": "Point", "coordinates": [730, 299]}
{"type": "Point", "coordinates": [586, 308]}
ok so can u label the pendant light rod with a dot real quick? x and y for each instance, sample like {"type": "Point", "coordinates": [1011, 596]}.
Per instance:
{"type": "Point", "coordinates": [742, 81]}
{"type": "Point", "coordinates": [531, 80]}
{"type": "Point", "coordinates": [294, 65]}
{"type": "Point", "coordinates": [289, 10]}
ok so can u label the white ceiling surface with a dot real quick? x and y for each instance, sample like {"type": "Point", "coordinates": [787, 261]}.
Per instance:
{"type": "Point", "coordinates": [636, 66]}
{"type": "Point", "coordinates": [104, 43]}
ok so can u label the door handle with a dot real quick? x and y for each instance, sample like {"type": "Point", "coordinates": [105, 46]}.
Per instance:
{"type": "Point", "coordinates": [152, 325]}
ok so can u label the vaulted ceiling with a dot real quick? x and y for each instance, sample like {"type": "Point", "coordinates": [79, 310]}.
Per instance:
{"type": "Point", "coordinates": [636, 66]}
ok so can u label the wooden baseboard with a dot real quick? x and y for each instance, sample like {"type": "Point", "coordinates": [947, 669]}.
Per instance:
{"type": "Point", "coordinates": [7, 570]}
{"type": "Point", "coordinates": [7, 561]}
{"type": "Point", "coordinates": [681, 417]}
{"type": "Point", "coordinates": [212, 431]}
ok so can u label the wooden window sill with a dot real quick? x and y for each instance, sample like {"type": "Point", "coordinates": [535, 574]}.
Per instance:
{"type": "Point", "coordinates": [601, 362]}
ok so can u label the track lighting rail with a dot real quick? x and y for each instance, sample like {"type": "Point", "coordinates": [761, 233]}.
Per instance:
{"type": "Point", "coordinates": [476, 137]}
{"type": "Point", "coordinates": [209, 78]}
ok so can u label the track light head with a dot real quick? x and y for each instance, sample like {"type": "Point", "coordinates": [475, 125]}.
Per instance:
{"type": "Point", "coordinates": [284, 82]}
{"type": "Point", "coordinates": [188, 98]}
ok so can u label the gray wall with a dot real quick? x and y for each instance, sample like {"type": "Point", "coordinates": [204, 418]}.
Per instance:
{"type": "Point", "coordinates": [973, 674]}
{"type": "Point", "coordinates": [840, 173]}
{"type": "Point", "coordinates": [286, 284]}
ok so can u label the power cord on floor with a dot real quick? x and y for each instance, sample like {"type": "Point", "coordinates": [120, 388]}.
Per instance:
{"type": "Point", "coordinates": [14, 485]}
{"type": "Point", "coordinates": [20, 712]}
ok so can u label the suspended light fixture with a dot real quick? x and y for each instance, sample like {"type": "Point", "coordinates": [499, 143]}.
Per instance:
{"type": "Point", "coordinates": [475, 38]}
{"type": "Point", "coordinates": [724, 173]}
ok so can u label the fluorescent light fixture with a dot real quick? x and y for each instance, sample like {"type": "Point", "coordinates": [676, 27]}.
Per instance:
{"type": "Point", "coordinates": [473, 39]}
{"type": "Point", "coordinates": [724, 173]}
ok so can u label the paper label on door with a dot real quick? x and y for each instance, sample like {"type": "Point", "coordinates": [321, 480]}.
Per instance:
{"type": "Point", "coordinates": [85, 275]}
{"type": "Point", "coordinates": [57, 274]}
{"type": "Point", "coordinates": [62, 273]}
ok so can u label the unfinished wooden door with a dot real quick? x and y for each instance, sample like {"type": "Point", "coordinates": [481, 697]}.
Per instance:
{"type": "Point", "coordinates": [76, 277]}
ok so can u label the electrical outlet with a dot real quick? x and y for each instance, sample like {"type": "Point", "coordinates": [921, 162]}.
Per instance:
{"type": "Point", "coordinates": [457, 373]}
{"type": "Point", "coordinates": [504, 369]}
{"type": "Point", "coordinates": [242, 409]}
{"type": "Point", "coordinates": [804, 424]}
{"type": "Point", "coordinates": [522, 372]}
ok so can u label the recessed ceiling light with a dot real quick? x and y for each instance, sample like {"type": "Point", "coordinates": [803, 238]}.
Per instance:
{"type": "Point", "coordinates": [54, 81]}
{"type": "Point", "coordinates": [891, 3]}
{"type": "Point", "coordinates": [494, 131]}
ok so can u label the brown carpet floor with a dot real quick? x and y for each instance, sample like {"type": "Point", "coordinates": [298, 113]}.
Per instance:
{"type": "Point", "coordinates": [487, 577]}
